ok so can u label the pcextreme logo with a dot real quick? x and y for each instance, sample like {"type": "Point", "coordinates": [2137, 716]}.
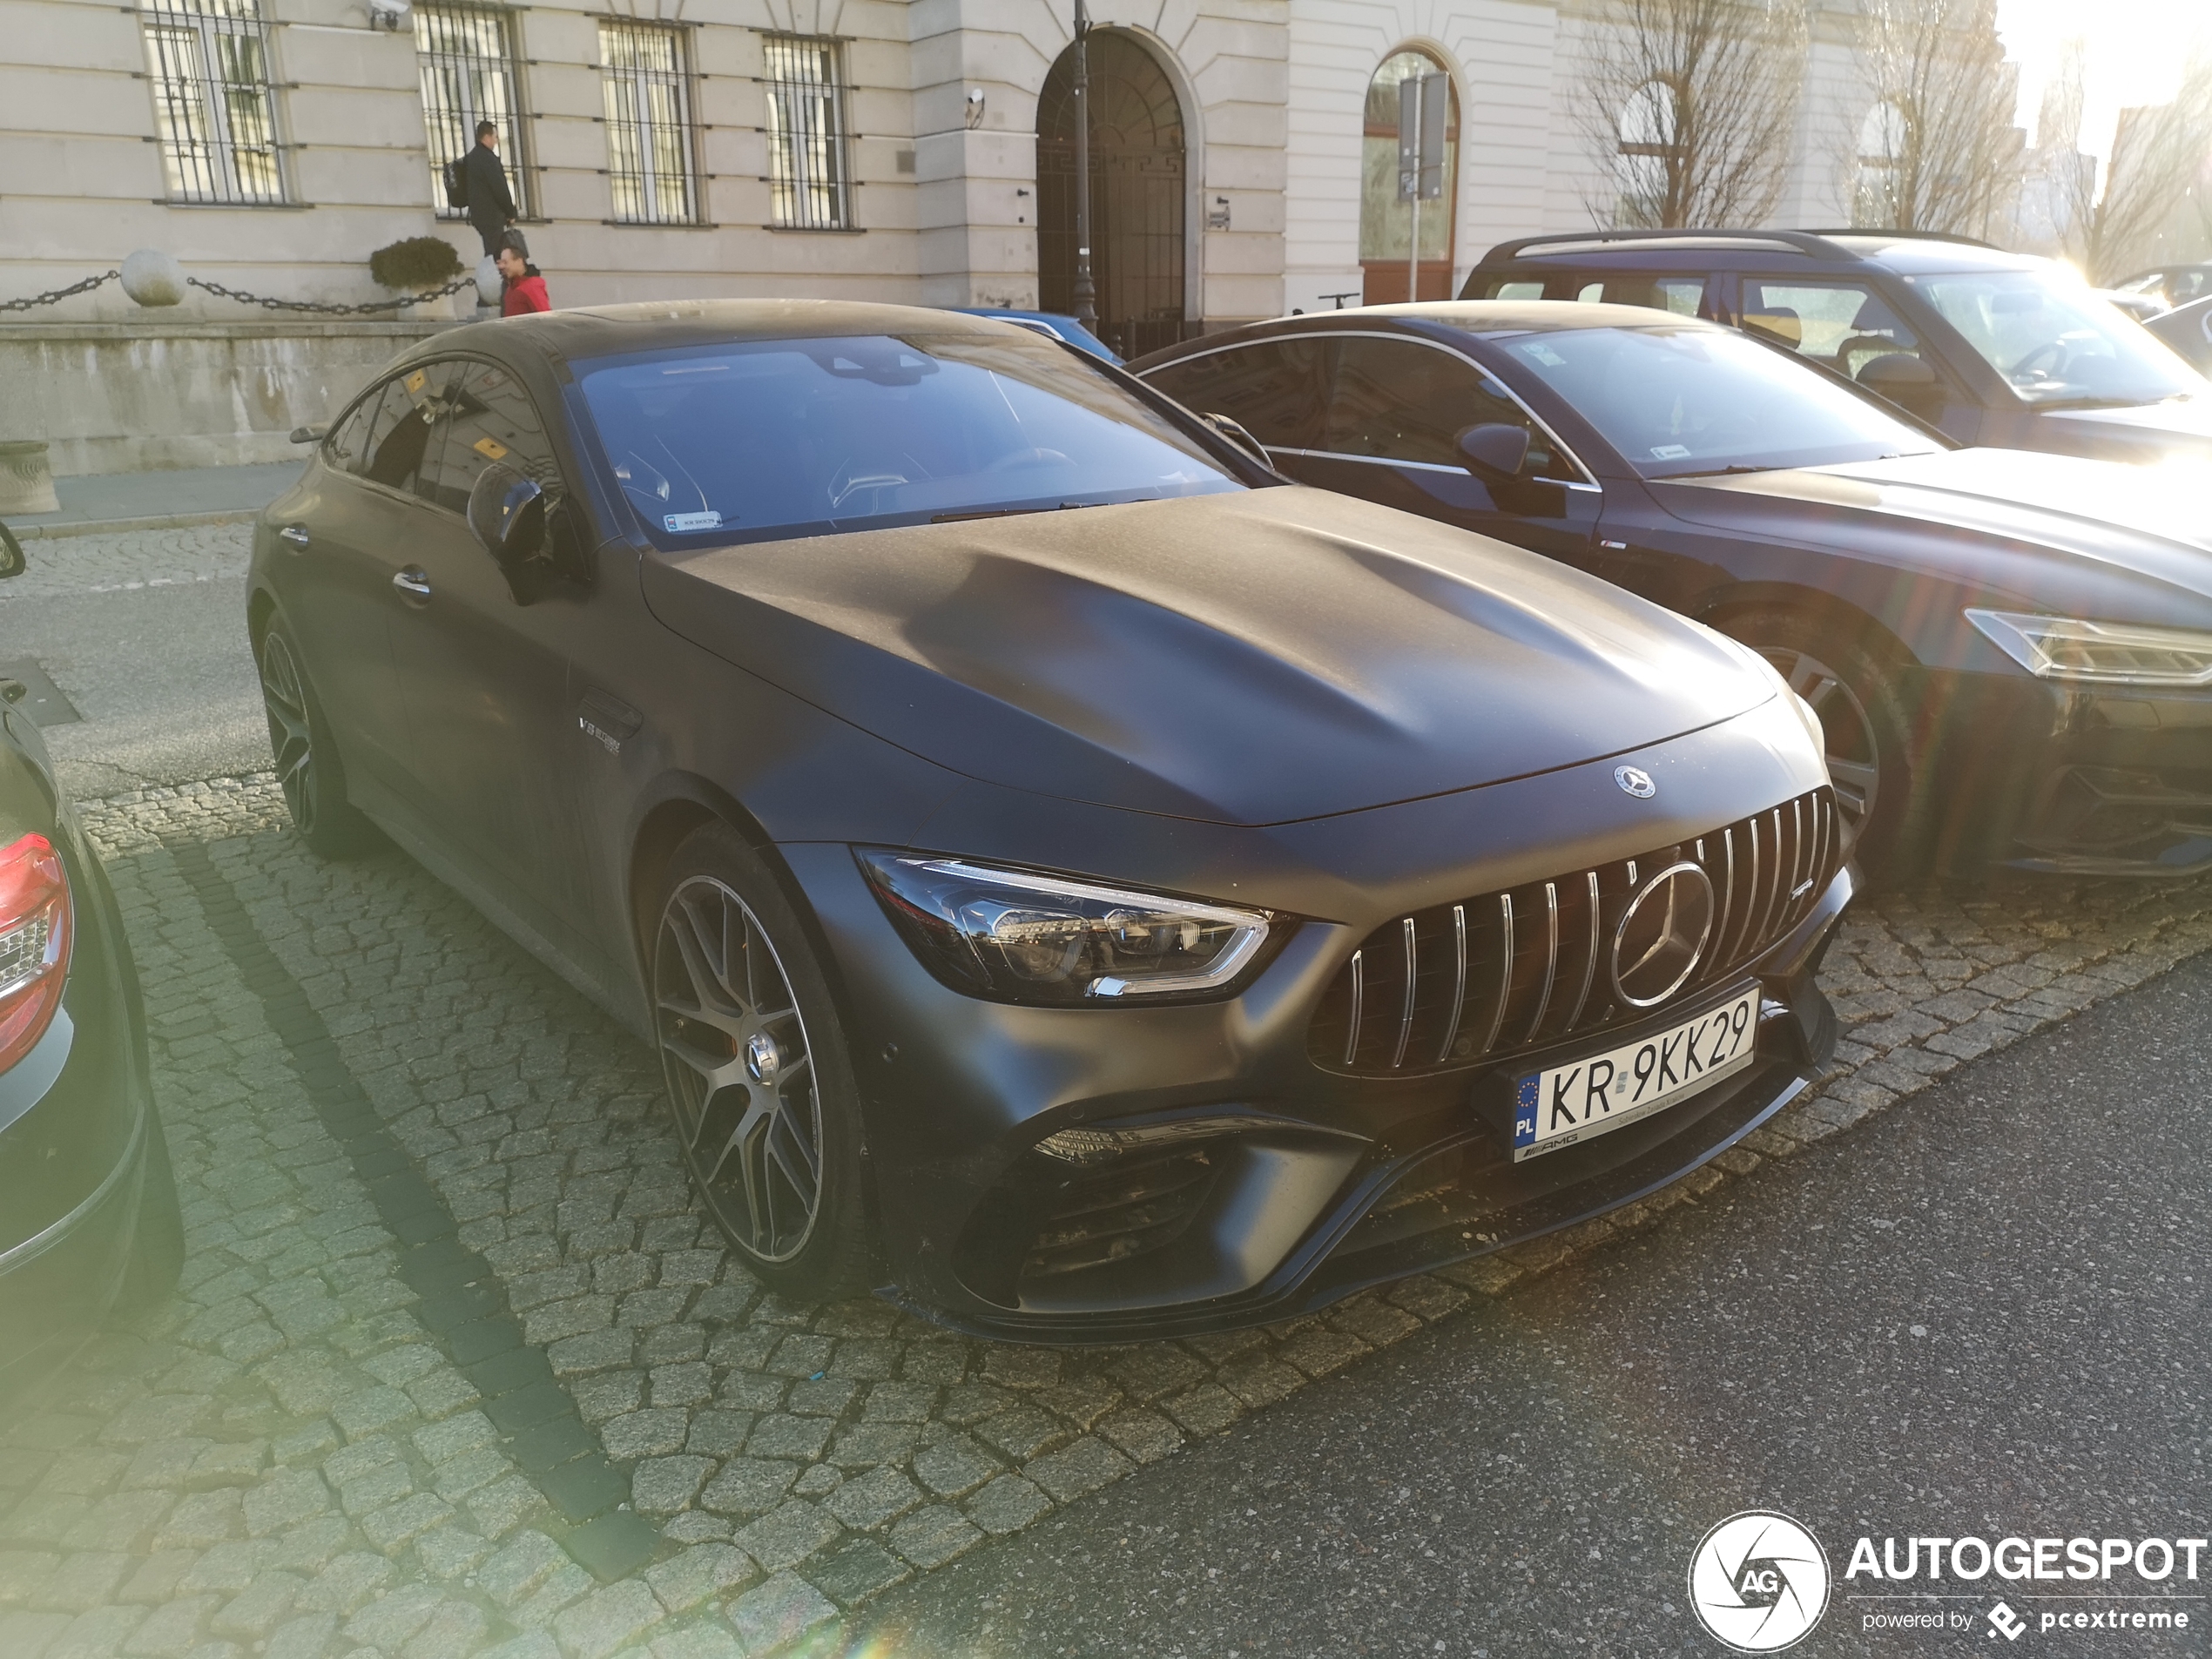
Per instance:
{"type": "Point", "coordinates": [1759, 1581]}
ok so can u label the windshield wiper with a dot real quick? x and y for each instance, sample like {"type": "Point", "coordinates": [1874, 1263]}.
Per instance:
{"type": "Point", "coordinates": [1017, 512]}
{"type": "Point", "coordinates": [1721, 472]}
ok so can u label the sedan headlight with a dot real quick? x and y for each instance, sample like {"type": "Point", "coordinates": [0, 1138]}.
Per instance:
{"type": "Point", "coordinates": [2061, 648]}
{"type": "Point", "coordinates": [1024, 937]}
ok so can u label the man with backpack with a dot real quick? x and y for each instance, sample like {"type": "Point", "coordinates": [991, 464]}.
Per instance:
{"type": "Point", "coordinates": [478, 182]}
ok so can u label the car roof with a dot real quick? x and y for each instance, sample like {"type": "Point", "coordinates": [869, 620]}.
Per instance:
{"type": "Point", "coordinates": [608, 331]}
{"type": "Point", "coordinates": [1517, 316]}
{"type": "Point", "coordinates": [1909, 253]}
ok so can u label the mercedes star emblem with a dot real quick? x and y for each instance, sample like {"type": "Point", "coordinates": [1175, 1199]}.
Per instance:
{"type": "Point", "coordinates": [1635, 780]}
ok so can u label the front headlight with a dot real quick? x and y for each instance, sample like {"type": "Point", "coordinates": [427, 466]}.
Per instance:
{"type": "Point", "coordinates": [2061, 648]}
{"type": "Point", "coordinates": [1024, 937]}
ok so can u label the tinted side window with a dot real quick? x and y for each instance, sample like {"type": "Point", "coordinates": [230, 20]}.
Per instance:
{"type": "Point", "coordinates": [400, 432]}
{"type": "Point", "coordinates": [1844, 324]}
{"type": "Point", "coordinates": [1397, 401]}
{"type": "Point", "coordinates": [1273, 391]}
{"type": "Point", "coordinates": [488, 418]}
{"type": "Point", "coordinates": [1682, 295]}
{"type": "Point", "coordinates": [347, 447]}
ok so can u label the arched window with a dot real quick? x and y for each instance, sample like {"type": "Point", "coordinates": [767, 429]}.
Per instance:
{"type": "Point", "coordinates": [1386, 223]}
{"type": "Point", "coordinates": [1881, 147]}
{"type": "Point", "coordinates": [1643, 168]}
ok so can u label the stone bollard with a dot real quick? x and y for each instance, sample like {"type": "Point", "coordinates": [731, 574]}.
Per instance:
{"type": "Point", "coordinates": [491, 288]}
{"type": "Point", "coordinates": [152, 278]}
{"type": "Point", "coordinates": [26, 482]}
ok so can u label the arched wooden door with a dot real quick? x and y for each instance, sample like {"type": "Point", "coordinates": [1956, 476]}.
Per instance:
{"type": "Point", "coordinates": [1138, 193]}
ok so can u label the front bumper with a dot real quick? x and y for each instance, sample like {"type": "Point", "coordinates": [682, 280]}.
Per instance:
{"type": "Point", "coordinates": [1299, 1184]}
{"type": "Point", "coordinates": [2080, 780]}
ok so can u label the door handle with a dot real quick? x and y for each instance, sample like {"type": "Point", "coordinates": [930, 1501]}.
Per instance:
{"type": "Point", "coordinates": [413, 583]}
{"type": "Point", "coordinates": [295, 534]}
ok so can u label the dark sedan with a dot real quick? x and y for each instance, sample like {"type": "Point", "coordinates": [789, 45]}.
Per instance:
{"type": "Point", "coordinates": [2011, 653]}
{"type": "Point", "coordinates": [2187, 331]}
{"type": "Point", "coordinates": [89, 1218]}
{"type": "Point", "coordinates": [1063, 870]}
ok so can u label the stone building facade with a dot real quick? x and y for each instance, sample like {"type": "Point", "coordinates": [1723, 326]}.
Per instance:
{"type": "Point", "coordinates": [895, 149]}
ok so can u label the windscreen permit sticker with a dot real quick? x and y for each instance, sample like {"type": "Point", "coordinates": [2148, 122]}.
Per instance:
{"type": "Point", "coordinates": [1670, 452]}
{"type": "Point", "coordinates": [685, 524]}
{"type": "Point", "coordinates": [1544, 354]}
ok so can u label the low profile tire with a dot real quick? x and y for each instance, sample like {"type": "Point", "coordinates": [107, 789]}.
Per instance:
{"type": "Point", "coordinates": [157, 1241]}
{"type": "Point", "coordinates": [308, 766]}
{"type": "Point", "coordinates": [760, 1080]}
{"type": "Point", "coordinates": [1866, 728]}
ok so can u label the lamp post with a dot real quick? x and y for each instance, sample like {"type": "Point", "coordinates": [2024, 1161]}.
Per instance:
{"type": "Point", "coordinates": [1086, 294]}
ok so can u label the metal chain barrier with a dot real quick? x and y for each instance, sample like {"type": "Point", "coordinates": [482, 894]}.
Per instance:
{"type": "Point", "coordinates": [267, 304]}
{"type": "Point", "coordinates": [58, 295]}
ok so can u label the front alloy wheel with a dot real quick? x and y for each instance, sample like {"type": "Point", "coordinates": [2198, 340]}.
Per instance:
{"type": "Point", "coordinates": [740, 1070]}
{"type": "Point", "coordinates": [1853, 756]}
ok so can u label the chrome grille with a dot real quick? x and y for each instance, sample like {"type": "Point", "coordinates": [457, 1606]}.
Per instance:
{"type": "Point", "coordinates": [1459, 984]}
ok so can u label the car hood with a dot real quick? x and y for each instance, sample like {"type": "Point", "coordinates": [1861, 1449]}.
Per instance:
{"type": "Point", "coordinates": [1248, 658]}
{"type": "Point", "coordinates": [2151, 521]}
{"type": "Point", "coordinates": [2179, 426]}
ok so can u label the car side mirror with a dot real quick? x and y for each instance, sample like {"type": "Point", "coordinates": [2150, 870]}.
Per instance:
{"type": "Point", "coordinates": [1494, 451]}
{"type": "Point", "coordinates": [309, 434]}
{"type": "Point", "coordinates": [1235, 432]}
{"type": "Point", "coordinates": [11, 559]}
{"type": "Point", "coordinates": [507, 513]}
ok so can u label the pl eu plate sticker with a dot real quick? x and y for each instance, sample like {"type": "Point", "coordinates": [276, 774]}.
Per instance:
{"type": "Point", "coordinates": [684, 523]}
{"type": "Point", "coordinates": [1524, 1114]}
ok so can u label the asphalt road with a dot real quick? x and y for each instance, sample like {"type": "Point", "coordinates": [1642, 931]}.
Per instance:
{"type": "Point", "coordinates": [1983, 1313]}
{"type": "Point", "coordinates": [144, 636]}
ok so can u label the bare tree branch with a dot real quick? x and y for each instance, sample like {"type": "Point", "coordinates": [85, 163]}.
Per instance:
{"type": "Point", "coordinates": [1938, 151]}
{"type": "Point", "coordinates": [1693, 104]}
{"type": "Point", "coordinates": [2157, 153]}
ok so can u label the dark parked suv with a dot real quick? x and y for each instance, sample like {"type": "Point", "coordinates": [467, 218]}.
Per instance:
{"type": "Point", "coordinates": [1999, 350]}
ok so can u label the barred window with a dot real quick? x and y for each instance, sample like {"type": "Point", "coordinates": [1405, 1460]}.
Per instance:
{"type": "Point", "coordinates": [214, 111]}
{"type": "Point", "coordinates": [810, 174]}
{"type": "Point", "coordinates": [650, 151]}
{"type": "Point", "coordinates": [465, 55]}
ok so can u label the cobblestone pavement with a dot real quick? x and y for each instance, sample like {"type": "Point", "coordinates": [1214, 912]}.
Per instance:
{"type": "Point", "coordinates": [456, 1366]}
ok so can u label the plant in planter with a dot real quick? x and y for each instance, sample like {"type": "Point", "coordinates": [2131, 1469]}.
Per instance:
{"type": "Point", "coordinates": [419, 262]}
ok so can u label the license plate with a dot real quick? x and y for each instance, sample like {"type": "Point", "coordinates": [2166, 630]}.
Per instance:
{"type": "Point", "coordinates": [1569, 1103]}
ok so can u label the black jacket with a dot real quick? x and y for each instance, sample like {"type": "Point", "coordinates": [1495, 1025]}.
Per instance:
{"type": "Point", "coordinates": [491, 205]}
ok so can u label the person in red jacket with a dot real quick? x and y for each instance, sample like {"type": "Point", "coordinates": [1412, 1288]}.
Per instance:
{"type": "Point", "coordinates": [525, 289]}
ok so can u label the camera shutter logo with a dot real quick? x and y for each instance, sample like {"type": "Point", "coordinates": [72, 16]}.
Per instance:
{"type": "Point", "coordinates": [1759, 1581]}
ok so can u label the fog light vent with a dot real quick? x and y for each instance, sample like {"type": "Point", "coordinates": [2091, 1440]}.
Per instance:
{"type": "Point", "coordinates": [1129, 1211]}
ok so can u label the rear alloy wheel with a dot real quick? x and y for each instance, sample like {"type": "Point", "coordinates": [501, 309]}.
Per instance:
{"type": "Point", "coordinates": [765, 1104]}
{"type": "Point", "coordinates": [308, 770]}
{"type": "Point", "coordinates": [1863, 734]}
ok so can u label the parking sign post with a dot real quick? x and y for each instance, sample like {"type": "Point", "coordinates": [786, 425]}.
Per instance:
{"type": "Point", "coordinates": [1424, 102]}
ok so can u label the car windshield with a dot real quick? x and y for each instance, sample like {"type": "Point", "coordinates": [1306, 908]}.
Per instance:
{"type": "Point", "coordinates": [1678, 401]}
{"type": "Point", "coordinates": [745, 440]}
{"type": "Point", "coordinates": [2056, 342]}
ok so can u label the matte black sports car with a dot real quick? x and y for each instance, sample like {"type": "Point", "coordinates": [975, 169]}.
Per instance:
{"type": "Point", "coordinates": [2011, 653]}
{"type": "Point", "coordinates": [1060, 866]}
{"type": "Point", "coordinates": [88, 1206]}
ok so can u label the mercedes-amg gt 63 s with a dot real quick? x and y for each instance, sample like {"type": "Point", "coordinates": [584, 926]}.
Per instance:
{"type": "Point", "coordinates": [1075, 881]}
{"type": "Point", "coordinates": [89, 1219]}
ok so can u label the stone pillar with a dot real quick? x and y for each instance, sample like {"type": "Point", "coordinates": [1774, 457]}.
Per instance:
{"type": "Point", "coordinates": [26, 483]}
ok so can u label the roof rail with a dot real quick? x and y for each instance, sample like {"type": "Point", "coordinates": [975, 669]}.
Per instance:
{"type": "Point", "coordinates": [1909, 236]}
{"type": "Point", "coordinates": [1813, 243]}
